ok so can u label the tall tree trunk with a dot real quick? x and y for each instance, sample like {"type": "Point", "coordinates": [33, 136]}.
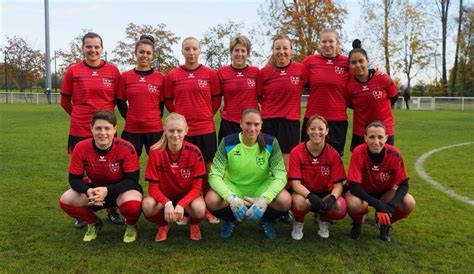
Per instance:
{"type": "Point", "coordinates": [444, 5]}
{"type": "Point", "coordinates": [458, 42]}
{"type": "Point", "coordinates": [387, 5]}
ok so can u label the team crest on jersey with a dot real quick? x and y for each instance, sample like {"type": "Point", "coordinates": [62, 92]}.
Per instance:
{"type": "Point", "coordinates": [185, 173]}
{"type": "Point", "coordinates": [325, 170]}
{"type": "Point", "coordinates": [107, 82]}
{"type": "Point", "coordinates": [94, 73]}
{"type": "Point", "coordinates": [295, 80]}
{"type": "Point", "coordinates": [260, 160]}
{"type": "Point", "coordinates": [377, 94]}
{"type": "Point", "coordinates": [152, 88]}
{"type": "Point", "coordinates": [202, 83]}
{"type": "Point", "coordinates": [384, 176]}
{"type": "Point", "coordinates": [339, 70]}
{"type": "Point", "coordinates": [251, 82]}
{"type": "Point", "coordinates": [114, 167]}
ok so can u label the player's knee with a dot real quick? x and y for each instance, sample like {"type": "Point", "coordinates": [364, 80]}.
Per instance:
{"type": "Point", "coordinates": [148, 206]}
{"type": "Point", "coordinates": [298, 201]}
{"type": "Point", "coordinates": [212, 200]}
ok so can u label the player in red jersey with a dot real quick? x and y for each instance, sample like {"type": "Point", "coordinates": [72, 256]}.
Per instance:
{"type": "Point", "coordinates": [239, 86]}
{"type": "Point", "coordinates": [378, 178]}
{"type": "Point", "coordinates": [175, 169]}
{"type": "Point", "coordinates": [370, 95]}
{"type": "Point", "coordinates": [328, 74]}
{"type": "Point", "coordinates": [113, 168]}
{"type": "Point", "coordinates": [143, 88]}
{"type": "Point", "coordinates": [89, 86]}
{"type": "Point", "coordinates": [280, 85]}
{"type": "Point", "coordinates": [316, 174]}
{"type": "Point", "coordinates": [193, 90]}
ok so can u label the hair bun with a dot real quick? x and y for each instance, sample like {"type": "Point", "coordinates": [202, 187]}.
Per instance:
{"type": "Point", "coordinates": [147, 37]}
{"type": "Point", "coordinates": [356, 44]}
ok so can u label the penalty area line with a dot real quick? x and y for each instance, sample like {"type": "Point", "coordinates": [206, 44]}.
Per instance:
{"type": "Point", "coordinates": [422, 173]}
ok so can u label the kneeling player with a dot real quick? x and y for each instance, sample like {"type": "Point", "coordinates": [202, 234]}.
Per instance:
{"type": "Point", "coordinates": [113, 168]}
{"type": "Point", "coordinates": [248, 178]}
{"type": "Point", "coordinates": [316, 174]}
{"type": "Point", "coordinates": [174, 171]}
{"type": "Point", "coordinates": [378, 178]}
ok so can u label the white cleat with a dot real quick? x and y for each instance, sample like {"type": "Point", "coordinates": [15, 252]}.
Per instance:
{"type": "Point", "coordinates": [297, 232]}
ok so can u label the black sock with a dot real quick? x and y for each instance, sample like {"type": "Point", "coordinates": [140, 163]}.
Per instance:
{"type": "Point", "coordinates": [225, 214]}
{"type": "Point", "coordinates": [272, 214]}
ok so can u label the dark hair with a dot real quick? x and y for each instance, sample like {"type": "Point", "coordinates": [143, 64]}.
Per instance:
{"type": "Point", "coordinates": [357, 47]}
{"type": "Point", "coordinates": [106, 115]}
{"type": "Point", "coordinates": [146, 40]}
{"type": "Point", "coordinates": [376, 123]}
{"type": "Point", "coordinates": [260, 138]}
{"type": "Point", "coordinates": [91, 35]}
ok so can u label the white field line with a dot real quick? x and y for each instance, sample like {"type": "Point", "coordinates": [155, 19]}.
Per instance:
{"type": "Point", "coordinates": [422, 173]}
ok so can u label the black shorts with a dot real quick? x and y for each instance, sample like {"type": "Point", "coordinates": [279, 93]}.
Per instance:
{"type": "Point", "coordinates": [359, 140]}
{"type": "Point", "coordinates": [228, 128]}
{"type": "Point", "coordinates": [207, 143]}
{"type": "Point", "coordinates": [139, 140]}
{"type": "Point", "coordinates": [336, 136]}
{"type": "Point", "coordinates": [286, 132]}
{"type": "Point", "coordinates": [72, 142]}
{"type": "Point", "coordinates": [111, 200]}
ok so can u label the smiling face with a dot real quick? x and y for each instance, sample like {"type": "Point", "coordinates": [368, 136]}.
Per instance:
{"type": "Point", "coordinates": [175, 131]}
{"type": "Point", "coordinates": [191, 51]}
{"type": "Point", "coordinates": [328, 44]}
{"type": "Point", "coordinates": [317, 131]}
{"type": "Point", "coordinates": [281, 52]}
{"type": "Point", "coordinates": [359, 65]}
{"type": "Point", "coordinates": [144, 55]}
{"type": "Point", "coordinates": [251, 125]}
{"type": "Point", "coordinates": [92, 49]}
{"type": "Point", "coordinates": [103, 133]}
{"type": "Point", "coordinates": [375, 137]}
{"type": "Point", "coordinates": [239, 56]}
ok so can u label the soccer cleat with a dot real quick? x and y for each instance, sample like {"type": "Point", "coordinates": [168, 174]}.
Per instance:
{"type": "Point", "coordinates": [211, 218]}
{"type": "Point", "coordinates": [227, 229]}
{"type": "Point", "coordinates": [194, 232]}
{"type": "Point", "coordinates": [385, 233]}
{"type": "Point", "coordinates": [79, 224]}
{"type": "Point", "coordinates": [162, 233]}
{"type": "Point", "coordinates": [183, 221]}
{"type": "Point", "coordinates": [323, 230]}
{"type": "Point", "coordinates": [268, 230]}
{"type": "Point", "coordinates": [92, 230]}
{"type": "Point", "coordinates": [355, 231]}
{"type": "Point", "coordinates": [115, 217]}
{"type": "Point", "coordinates": [297, 232]}
{"type": "Point", "coordinates": [287, 218]}
{"type": "Point", "coordinates": [130, 234]}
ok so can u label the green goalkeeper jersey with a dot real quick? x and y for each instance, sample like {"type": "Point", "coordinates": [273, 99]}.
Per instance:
{"type": "Point", "coordinates": [245, 171]}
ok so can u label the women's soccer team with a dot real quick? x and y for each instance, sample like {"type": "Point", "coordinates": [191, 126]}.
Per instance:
{"type": "Point", "coordinates": [256, 168]}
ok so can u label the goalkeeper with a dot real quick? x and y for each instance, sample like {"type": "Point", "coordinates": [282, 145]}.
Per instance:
{"type": "Point", "coordinates": [248, 177]}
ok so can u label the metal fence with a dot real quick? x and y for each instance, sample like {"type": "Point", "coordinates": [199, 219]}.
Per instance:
{"type": "Point", "coordinates": [416, 103]}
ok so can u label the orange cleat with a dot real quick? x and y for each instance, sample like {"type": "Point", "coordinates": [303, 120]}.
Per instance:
{"type": "Point", "coordinates": [194, 232]}
{"type": "Point", "coordinates": [211, 218]}
{"type": "Point", "coordinates": [162, 233]}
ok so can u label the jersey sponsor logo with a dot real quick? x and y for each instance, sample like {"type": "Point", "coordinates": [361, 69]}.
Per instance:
{"type": "Point", "coordinates": [237, 153]}
{"type": "Point", "coordinates": [240, 74]}
{"type": "Point", "coordinates": [375, 168]}
{"type": "Point", "coordinates": [152, 88]}
{"type": "Point", "coordinates": [325, 170]}
{"type": "Point", "coordinates": [365, 88]}
{"type": "Point", "coordinates": [377, 94]}
{"type": "Point", "coordinates": [295, 80]}
{"type": "Point", "coordinates": [114, 167]}
{"type": "Point", "coordinates": [384, 176]}
{"type": "Point", "coordinates": [282, 72]}
{"type": "Point", "coordinates": [142, 79]}
{"type": "Point", "coordinates": [339, 70]}
{"type": "Point", "coordinates": [251, 82]}
{"type": "Point", "coordinates": [260, 160]}
{"type": "Point", "coordinates": [94, 73]}
{"type": "Point", "coordinates": [107, 82]}
{"type": "Point", "coordinates": [329, 62]}
{"type": "Point", "coordinates": [314, 161]}
{"type": "Point", "coordinates": [202, 83]}
{"type": "Point", "coordinates": [185, 173]}
{"type": "Point", "coordinates": [102, 158]}
{"type": "Point", "coordinates": [191, 75]}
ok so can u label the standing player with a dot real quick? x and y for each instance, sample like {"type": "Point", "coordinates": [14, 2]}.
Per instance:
{"type": "Point", "coordinates": [89, 86]}
{"type": "Point", "coordinates": [328, 74]}
{"type": "Point", "coordinates": [316, 175]}
{"type": "Point", "coordinates": [239, 86]}
{"type": "Point", "coordinates": [370, 95]}
{"type": "Point", "coordinates": [378, 178]}
{"type": "Point", "coordinates": [174, 171]}
{"type": "Point", "coordinates": [143, 88]}
{"type": "Point", "coordinates": [193, 91]}
{"type": "Point", "coordinates": [248, 177]}
{"type": "Point", "coordinates": [113, 168]}
{"type": "Point", "coordinates": [280, 85]}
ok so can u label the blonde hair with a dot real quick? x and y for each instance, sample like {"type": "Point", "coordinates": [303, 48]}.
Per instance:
{"type": "Point", "coordinates": [240, 40]}
{"type": "Point", "coordinates": [191, 38]}
{"type": "Point", "coordinates": [271, 61]}
{"type": "Point", "coordinates": [333, 31]}
{"type": "Point", "coordinates": [163, 142]}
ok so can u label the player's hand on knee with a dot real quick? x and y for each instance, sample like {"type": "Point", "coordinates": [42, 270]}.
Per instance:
{"type": "Point", "coordinates": [178, 212]}
{"type": "Point", "coordinates": [329, 202]}
{"type": "Point", "coordinates": [169, 212]}
{"type": "Point", "coordinates": [257, 209]}
{"type": "Point", "coordinates": [317, 204]}
{"type": "Point", "coordinates": [237, 206]}
{"type": "Point", "coordinates": [383, 218]}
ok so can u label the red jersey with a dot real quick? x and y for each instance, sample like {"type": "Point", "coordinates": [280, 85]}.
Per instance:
{"type": "Point", "coordinates": [192, 92]}
{"type": "Point", "coordinates": [176, 179]}
{"type": "Point", "coordinates": [91, 89]}
{"type": "Point", "coordinates": [317, 173]}
{"type": "Point", "coordinates": [239, 88]}
{"type": "Point", "coordinates": [104, 167]}
{"type": "Point", "coordinates": [144, 91]}
{"type": "Point", "coordinates": [327, 87]}
{"type": "Point", "coordinates": [377, 178]}
{"type": "Point", "coordinates": [281, 89]}
{"type": "Point", "coordinates": [371, 101]}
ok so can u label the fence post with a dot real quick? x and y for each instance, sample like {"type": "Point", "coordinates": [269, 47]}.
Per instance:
{"type": "Point", "coordinates": [462, 103]}
{"type": "Point", "coordinates": [433, 103]}
{"type": "Point", "coordinates": [37, 99]}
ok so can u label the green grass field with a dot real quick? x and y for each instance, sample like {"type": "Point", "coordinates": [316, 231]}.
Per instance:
{"type": "Point", "coordinates": [36, 236]}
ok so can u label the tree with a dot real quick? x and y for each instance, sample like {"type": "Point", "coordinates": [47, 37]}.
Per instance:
{"type": "Point", "coordinates": [443, 8]}
{"type": "Point", "coordinates": [164, 59]}
{"type": "Point", "coordinates": [458, 42]}
{"type": "Point", "coordinates": [465, 71]}
{"type": "Point", "coordinates": [25, 64]}
{"type": "Point", "coordinates": [302, 21]}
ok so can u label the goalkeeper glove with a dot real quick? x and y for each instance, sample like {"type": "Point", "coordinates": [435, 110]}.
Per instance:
{"type": "Point", "coordinates": [259, 207]}
{"type": "Point", "coordinates": [237, 206]}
